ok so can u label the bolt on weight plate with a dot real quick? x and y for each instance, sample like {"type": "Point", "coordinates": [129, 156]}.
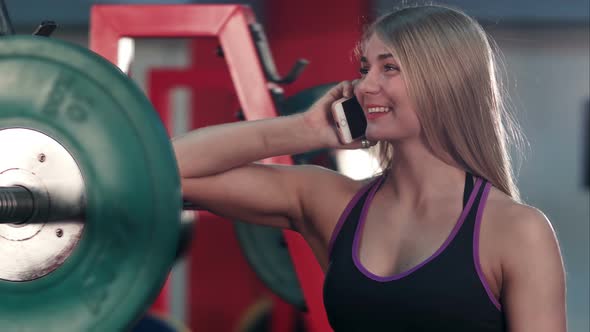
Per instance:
{"type": "Point", "coordinates": [267, 253]}
{"type": "Point", "coordinates": [132, 188]}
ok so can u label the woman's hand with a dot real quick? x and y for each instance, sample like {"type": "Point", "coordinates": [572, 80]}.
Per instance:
{"type": "Point", "coordinates": [319, 117]}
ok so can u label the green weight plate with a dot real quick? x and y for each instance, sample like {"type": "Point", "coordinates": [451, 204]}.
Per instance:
{"type": "Point", "coordinates": [267, 253]}
{"type": "Point", "coordinates": [132, 187]}
{"type": "Point", "coordinates": [265, 247]}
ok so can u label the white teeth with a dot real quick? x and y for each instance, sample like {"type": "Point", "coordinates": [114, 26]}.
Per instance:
{"type": "Point", "coordinates": [378, 109]}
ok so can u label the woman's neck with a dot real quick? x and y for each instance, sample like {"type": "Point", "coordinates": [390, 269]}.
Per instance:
{"type": "Point", "coordinates": [417, 177]}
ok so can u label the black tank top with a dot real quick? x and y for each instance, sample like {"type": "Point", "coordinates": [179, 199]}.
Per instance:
{"type": "Point", "coordinates": [446, 292]}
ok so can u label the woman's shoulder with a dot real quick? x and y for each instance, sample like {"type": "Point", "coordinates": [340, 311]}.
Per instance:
{"type": "Point", "coordinates": [526, 249]}
{"type": "Point", "coordinates": [509, 214]}
{"type": "Point", "coordinates": [515, 225]}
{"type": "Point", "coordinates": [324, 195]}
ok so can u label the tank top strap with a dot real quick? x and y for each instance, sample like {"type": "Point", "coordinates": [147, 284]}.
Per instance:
{"type": "Point", "coordinates": [468, 188]}
{"type": "Point", "coordinates": [352, 211]}
{"type": "Point", "coordinates": [476, 204]}
{"type": "Point", "coordinates": [462, 244]}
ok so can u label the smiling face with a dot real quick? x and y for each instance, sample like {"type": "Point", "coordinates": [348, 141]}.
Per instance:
{"type": "Point", "coordinates": [434, 71]}
{"type": "Point", "coordinates": [382, 92]}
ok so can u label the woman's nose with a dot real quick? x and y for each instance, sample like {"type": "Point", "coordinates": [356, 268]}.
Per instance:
{"type": "Point", "coordinates": [368, 84]}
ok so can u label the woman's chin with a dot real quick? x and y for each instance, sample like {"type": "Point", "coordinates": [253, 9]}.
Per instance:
{"type": "Point", "coordinates": [369, 135]}
{"type": "Point", "coordinates": [373, 137]}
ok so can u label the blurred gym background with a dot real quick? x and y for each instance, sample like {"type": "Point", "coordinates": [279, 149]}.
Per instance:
{"type": "Point", "coordinates": [546, 51]}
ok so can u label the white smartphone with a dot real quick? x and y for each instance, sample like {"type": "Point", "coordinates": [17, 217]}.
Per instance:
{"type": "Point", "coordinates": [349, 119]}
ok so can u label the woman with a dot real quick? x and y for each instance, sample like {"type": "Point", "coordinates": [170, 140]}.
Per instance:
{"type": "Point", "coordinates": [439, 241]}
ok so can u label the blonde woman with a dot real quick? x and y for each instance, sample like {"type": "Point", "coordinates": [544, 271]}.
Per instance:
{"type": "Point", "coordinates": [440, 241]}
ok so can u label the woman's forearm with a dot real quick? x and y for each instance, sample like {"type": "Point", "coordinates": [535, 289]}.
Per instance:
{"type": "Point", "coordinates": [212, 150]}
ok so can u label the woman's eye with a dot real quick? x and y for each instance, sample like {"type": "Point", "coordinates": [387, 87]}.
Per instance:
{"type": "Point", "coordinates": [390, 67]}
{"type": "Point", "coordinates": [364, 71]}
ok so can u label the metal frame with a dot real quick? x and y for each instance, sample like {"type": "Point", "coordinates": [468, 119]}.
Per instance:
{"type": "Point", "coordinates": [110, 23]}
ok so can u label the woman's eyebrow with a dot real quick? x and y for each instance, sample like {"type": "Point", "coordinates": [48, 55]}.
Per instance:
{"type": "Point", "coordinates": [380, 57]}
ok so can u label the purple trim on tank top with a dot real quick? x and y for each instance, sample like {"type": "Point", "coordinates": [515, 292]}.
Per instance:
{"type": "Point", "coordinates": [482, 279]}
{"type": "Point", "coordinates": [358, 234]}
{"type": "Point", "coordinates": [347, 210]}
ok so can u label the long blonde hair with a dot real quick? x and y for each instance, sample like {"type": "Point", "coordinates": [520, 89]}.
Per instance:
{"type": "Point", "coordinates": [452, 74]}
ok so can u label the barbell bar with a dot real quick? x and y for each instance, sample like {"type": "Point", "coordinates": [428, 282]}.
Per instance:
{"type": "Point", "coordinates": [19, 205]}
{"type": "Point", "coordinates": [16, 205]}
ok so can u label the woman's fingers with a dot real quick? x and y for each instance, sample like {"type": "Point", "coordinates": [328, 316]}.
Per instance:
{"type": "Point", "coordinates": [360, 144]}
{"type": "Point", "coordinates": [347, 89]}
{"type": "Point", "coordinates": [343, 89]}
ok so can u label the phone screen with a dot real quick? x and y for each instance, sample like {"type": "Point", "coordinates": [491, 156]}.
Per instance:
{"type": "Point", "coordinates": [357, 123]}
